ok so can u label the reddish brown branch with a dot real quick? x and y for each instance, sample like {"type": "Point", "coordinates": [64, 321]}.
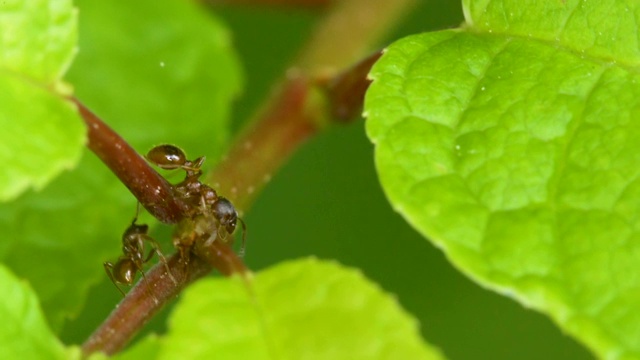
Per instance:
{"type": "Point", "coordinates": [300, 107]}
{"type": "Point", "coordinates": [157, 195]}
{"type": "Point", "coordinates": [155, 290]}
{"type": "Point", "coordinates": [149, 187]}
{"type": "Point", "coordinates": [298, 110]}
{"type": "Point", "coordinates": [296, 113]}
{"type": "Point", "coordinates": [221, 257]}
{"type": "Point", "coordinates": [141, 303]}
{"type": "Point", "coordinates": [261, 150]}
{"type": "Point", "coordinates": [346, 90]}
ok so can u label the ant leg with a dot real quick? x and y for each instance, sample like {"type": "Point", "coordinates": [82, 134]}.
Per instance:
{"type": "Point", "coordinates": [135, 218]}
{"type": "Point", "coordinates": [244, 239]}
{"type": "Point", "coordinates": [192, 168]}
{"type": "Point", "coordinates": [144, 278]}
{"type": "Point", "coordinates": [156, 250]}
{"type": "Point", "coordinates": [108, 267]}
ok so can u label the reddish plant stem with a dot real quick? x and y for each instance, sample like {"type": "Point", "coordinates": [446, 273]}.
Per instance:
{"type": "Point", "coordinates": [348, 33]}
{"type": "Point", "coordinates": [296, 112]}
{"type": "Point", "coordinates": [155, 290]}
{"type": "Point", "coordinates": [222, 257]}
{"type": "Point", "coordinates": [142, 303]}
{"type": "Point", "coordinates": [149, 187]}
{"type": "Point", "coordinates": [345, 91]}
{"type": "Point", "coordinates": [266, 144]}
{"type": "Point", "coordinates": [293, 117]}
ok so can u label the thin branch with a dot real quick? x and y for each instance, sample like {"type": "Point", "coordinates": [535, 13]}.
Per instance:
{"type": "Point", "coordinates": [265, 145]}
{"type": "Point", "coordinates": [348, 33]}
{"type": "Point", "coordinates": [156, 288]}
{"type": "Point", "coordinates": [312, 95]}
{"type": "Point", "coordinates": [142, 302]}
{"type": "Point", "coordinates": [298, 110]}
{"type": "Point", "coordinates": [346, 90]}
{"type": "Point", "coordinates": [149, 187]}
{"type": "Point", "coordinates": [301, 106]}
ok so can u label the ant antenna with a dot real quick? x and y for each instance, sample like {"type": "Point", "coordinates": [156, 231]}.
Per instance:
{"type": "Point", "coordinates": [243, 248]}
{"type": "Point", "coordinates": [135, 217]}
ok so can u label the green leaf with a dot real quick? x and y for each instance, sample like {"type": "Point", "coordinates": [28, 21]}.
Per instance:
{"type": "Point", "coordinates": [296, 310]}
{"type": "Point", "coordinates": [512, 145]}
{"type": "Point", "coordinates": [38, 38]}
{"type": "Point", "coordinates": [42, 135]}
{"type": "Point", "coordinates": [167, 77]}
{"type": "Point", "coordinates": [59, 238]}
{"type": "Point", "coordinates": [24, 333]}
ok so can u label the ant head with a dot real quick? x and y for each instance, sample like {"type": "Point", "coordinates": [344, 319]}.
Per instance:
{"type": "Point", "coordinates": [134, 231]}
{"type": "Point", "coordinates": [167, 157]}
{"type": "Point", "coordinates": [224, 211]}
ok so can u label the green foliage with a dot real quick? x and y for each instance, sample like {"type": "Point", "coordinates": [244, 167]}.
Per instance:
{"type": "Point", "coordinates": [59, 238]}
{"type": "Point", "coordinates": [38, 42]}
{"type": "Point", "coordinates": [512, 144]}
{"type": "Point", "coordinates": [296, 310]}
{"type": "Point", "coordinates": [172, 75]}
{"type": "Point", "coordinates": [169, 75]}
{"type": "Point", "coordinates": [24, 333]}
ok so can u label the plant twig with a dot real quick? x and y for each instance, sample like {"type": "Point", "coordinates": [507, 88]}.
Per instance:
{"type": "Point", "coordinates": [265, 145]}
{"type": "Point", "coordinates": [156, 288]}
{"type": "Point", "coordinates": [312, 94]}
{"type": "Point", "coordinates": [348, 33]}
{"type": "Point", "coordinates": [154, 291]}
{"type": "Point", "coordinates": [345, 91]}
{"type": "Point", "coordinates": [142, 302]}
{"type": "Point", "coordinates": [309, 98]}
{"type": "Point", "coordinates": [149, 187]}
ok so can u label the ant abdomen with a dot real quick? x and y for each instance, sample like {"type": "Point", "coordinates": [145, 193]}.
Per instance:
{"type": "Point", "coordinates": [123, 271]}
{"type": "Point", "coordinates": [170, 157]}
{"type": "Point", "coordinates": [167, 157]}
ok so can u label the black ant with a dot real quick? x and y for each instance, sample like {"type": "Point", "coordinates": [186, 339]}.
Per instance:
{"type": "Point", "coordinates": [204, 201]}
{"type": "Point", "coordinates": [132, 259]}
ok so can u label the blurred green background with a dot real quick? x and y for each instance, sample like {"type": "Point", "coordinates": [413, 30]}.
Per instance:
{"type": "Point", "coordinates": [327, 202]}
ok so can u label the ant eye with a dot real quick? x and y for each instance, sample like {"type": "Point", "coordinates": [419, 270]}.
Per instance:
{"type": "Point", "coordinates": [167, 157]}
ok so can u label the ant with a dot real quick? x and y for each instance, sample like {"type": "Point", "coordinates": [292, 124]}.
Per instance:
{"type": "Point", "coordinates": [204, 200]}
{"type": "Point", "coordinates": [132, 259]}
